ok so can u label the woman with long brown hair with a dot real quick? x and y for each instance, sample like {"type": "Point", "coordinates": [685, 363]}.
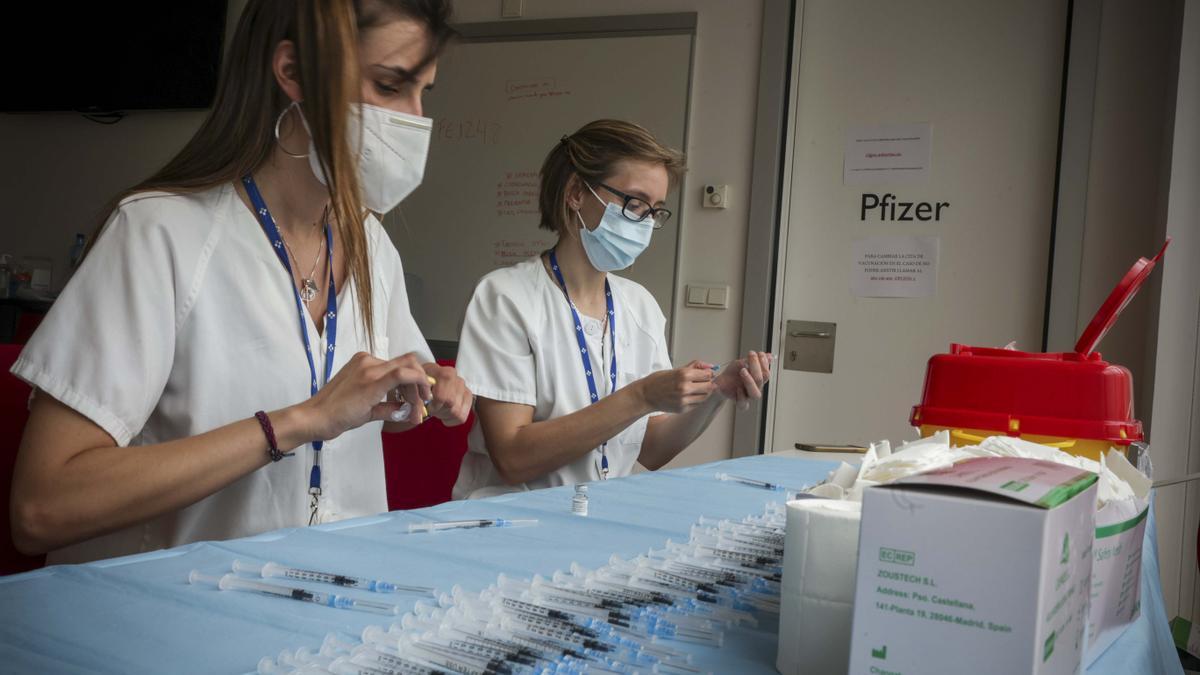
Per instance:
{"type": "Point", "coordinates": [220, 363]}
{"type": "Point", "coordinates": [569, 360]}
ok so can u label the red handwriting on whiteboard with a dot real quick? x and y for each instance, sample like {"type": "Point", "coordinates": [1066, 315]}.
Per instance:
{"type": "Point", "coordinates": [517, 194]}
{"type": "Point", "coordinates": [544, 87]}
{"type": "Point", "coordinates": [512, 251]}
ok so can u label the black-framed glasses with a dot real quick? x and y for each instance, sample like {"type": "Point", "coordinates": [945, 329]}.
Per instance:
{"type": "Point", "coordinates": [637, 210]}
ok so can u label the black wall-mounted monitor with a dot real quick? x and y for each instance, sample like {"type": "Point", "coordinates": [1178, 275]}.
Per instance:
{"type": "Point", "coordinates": [99, 57]}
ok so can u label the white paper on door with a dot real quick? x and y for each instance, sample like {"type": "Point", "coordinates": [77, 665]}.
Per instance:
{"type": "Point", "coordinates": [895, 267]}
{"type": "Point", "coordinates": [887, 153]}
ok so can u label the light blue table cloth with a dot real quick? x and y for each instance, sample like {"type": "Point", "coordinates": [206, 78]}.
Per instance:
{"type": "Point", "coordinates": [138, 613]}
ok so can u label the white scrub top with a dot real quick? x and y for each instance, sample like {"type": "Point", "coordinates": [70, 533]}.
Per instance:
{"type": "Point", "coordinates": [182, 320]}
{"type": "Point", "coordinates": [518, 345]}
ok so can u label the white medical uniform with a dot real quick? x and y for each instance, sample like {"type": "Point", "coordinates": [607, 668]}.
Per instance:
{"type": "Point", "coordinates": [518, 346]}
{"type": "Point", "coordinates": [182, 320]}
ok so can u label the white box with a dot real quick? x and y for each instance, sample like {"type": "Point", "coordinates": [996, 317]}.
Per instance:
{"type": "Point", "coordinates": [1117, 563]}
{"type": "Point", "coordinates": [980, 567]}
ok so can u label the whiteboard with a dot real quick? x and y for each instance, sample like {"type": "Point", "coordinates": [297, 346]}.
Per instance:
{"type": "Point", "coordinates": [498, 108]}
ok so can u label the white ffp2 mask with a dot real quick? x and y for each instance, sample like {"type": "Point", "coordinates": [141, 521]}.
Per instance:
{"type": "Point", "coordinates": [391, 160]}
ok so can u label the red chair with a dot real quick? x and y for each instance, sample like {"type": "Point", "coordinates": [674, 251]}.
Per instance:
{"type": "Point", "coordinates": [27, 323]}
{"type": "Point", "coordinates": [14, 411]}
{"type": "Point", "coordinates": [421, 465]}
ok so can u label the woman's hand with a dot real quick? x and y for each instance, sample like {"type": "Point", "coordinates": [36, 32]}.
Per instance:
{"type": "Point", "coordinates": [678, 390]}
{"type": "Point", "coordinates": [743, 379]}
{"type": "Point", "coordinates": [451, 401]}
{"type": "Point", "coordinates": [356, 395]}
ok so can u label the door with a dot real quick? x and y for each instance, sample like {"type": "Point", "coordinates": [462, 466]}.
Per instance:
{"type": "Point", "coordinates": [986, 77]}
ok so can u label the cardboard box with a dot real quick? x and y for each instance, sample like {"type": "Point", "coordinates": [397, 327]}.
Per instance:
{"type": "Point", "coordinates": [981, 567]}
{"type": "Point", "coordinates": [1117, 561]}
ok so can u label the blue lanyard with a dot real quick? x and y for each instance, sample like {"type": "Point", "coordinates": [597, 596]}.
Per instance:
{"type": "Point", "coordinates": [583, 350]}
{"type": "Point", "coordinates": [272, 231]}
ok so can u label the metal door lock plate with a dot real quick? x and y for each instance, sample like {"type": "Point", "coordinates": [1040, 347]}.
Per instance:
{"type": "Point", "coordinates": [808, 346]}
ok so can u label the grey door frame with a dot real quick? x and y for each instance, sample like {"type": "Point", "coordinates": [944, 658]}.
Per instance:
{"type": "Point", "coordinates": [766, 201]}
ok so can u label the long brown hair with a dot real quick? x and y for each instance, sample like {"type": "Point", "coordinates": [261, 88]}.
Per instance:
{"type": "Point", "coordinates": [592, 153]}
{"type": "Point", "coordinates": [238, 134]}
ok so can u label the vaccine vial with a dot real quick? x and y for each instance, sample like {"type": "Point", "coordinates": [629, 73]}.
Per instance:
{"type": "Point", "coordinates": [579, 503]}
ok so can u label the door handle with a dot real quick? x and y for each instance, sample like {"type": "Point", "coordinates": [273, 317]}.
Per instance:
{"type": "Point", "coordinates": [809, 333]}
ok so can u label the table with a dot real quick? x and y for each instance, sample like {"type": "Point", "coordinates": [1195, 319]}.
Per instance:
{"type": "Point", "coordinates": [138, 613]}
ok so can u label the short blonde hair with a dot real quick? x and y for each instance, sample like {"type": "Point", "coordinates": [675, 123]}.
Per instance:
{"type": "Point", "coordinates": [592, 153]}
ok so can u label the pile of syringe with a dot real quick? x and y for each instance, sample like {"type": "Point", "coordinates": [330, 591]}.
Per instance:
{"type": "Point", "coordinates": [619, 618]}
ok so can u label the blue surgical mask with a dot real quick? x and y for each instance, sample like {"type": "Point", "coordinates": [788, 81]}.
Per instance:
{"type": "Point", "coordinates": [617, 241]}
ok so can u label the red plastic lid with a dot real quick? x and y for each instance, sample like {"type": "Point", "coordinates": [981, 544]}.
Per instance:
{"type": "Point", "coordinates": [1116, 302]}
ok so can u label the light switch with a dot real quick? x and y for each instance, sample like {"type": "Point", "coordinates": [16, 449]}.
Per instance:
{"type": "Point", "coordinates": [718, 296]}
{"type": "Point", "coordinates": [707, 296]}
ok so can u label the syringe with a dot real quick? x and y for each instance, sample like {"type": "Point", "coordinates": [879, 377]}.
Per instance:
{"type": "Point", "coordinates": [272, 569]}
{"type": "Point", "coordinates": [468, 524]}
{"type": "Point", "coordinates": [231, 582]}
{"type": "Point", "coordinates": [754, 483]}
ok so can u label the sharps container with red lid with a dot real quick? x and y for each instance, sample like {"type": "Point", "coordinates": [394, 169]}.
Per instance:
{"type": "Point", "coordinates": [1076, 400]}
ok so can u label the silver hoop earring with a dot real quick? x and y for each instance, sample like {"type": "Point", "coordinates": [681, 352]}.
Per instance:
{"type": "Point", "coordinates": [278, 120]}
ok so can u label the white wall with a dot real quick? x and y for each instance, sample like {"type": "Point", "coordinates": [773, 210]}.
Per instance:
{"type": "Point", "coordinates": [721, 138]}
{"type": "Point", "coordinates": [60, 170]}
